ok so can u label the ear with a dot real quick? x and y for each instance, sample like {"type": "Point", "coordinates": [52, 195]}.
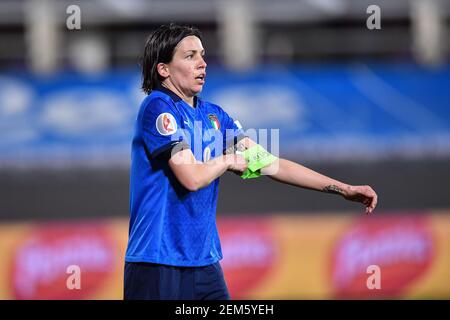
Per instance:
{"type": "Point", "coordinates": [163, 70]}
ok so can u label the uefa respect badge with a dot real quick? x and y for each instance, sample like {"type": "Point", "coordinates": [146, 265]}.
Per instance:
{"type": "Point", "coordinates": [166, 124]}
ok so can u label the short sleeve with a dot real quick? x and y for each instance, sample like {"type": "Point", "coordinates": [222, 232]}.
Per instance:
{"type": "Point", "coordinates": [160, 129]}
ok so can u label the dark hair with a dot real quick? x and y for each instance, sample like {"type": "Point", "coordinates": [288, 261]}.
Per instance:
{"type": "Point", "coordinates": [160, 47]}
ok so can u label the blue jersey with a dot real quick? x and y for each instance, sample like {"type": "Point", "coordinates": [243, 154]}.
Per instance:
{"type": "Point", "coordinates": [169, 224]}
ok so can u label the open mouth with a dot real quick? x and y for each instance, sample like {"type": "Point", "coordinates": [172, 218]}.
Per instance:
{"type": "Point", "coordinates": [200, 78]}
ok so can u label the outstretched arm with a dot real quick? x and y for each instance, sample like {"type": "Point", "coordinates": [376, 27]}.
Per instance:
{"type": "Point", "coordinates": [292, 173]}
{"type": "Point", "coordinates": [297, 175]}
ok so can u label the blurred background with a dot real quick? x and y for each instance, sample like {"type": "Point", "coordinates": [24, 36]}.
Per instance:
{"type": "Point", "coordinates": [359, 90]}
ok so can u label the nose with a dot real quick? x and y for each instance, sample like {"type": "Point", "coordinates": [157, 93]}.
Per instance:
{"type": "Point", "coordinates": [202, 64]}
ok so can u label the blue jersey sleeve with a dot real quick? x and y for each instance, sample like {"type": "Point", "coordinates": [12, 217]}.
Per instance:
{"type": "Point", "coordinates": [160, 128]}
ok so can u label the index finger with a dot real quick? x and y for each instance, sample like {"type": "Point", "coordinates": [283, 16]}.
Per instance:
{"type": "Point", "coordinates": [374, 201]}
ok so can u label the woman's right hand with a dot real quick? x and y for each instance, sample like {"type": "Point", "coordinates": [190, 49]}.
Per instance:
{"type": "Point", "coordinates": [236, 163]}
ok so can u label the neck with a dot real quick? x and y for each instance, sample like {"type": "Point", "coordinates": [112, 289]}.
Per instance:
{"type": "Point", "coordinates": [189, 100]}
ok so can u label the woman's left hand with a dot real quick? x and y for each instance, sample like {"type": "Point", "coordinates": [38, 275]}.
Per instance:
{"type": "Point", "coordinates": [364, 194]}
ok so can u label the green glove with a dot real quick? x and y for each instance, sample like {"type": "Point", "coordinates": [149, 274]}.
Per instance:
{"type": "Point", "coordinates": [257, 158]}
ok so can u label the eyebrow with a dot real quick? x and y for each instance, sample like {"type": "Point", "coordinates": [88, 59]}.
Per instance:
{"type": "Point", "coordinates": [194, 51]}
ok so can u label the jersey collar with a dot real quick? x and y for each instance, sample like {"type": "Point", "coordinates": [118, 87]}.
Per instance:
{"type": "Point", "coordinates": [173, 95]}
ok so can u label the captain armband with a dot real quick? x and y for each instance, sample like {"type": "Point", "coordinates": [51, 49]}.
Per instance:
{"type": "Point", "coordinates": [257, 158]}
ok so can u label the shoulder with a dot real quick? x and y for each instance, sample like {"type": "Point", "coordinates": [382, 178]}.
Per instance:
{"type": "Point", "coordinates": [156, 99]}
{"type": "Point", "coordinates": [156, 103]}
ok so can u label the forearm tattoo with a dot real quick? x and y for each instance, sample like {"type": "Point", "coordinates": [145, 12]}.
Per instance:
{"type": "Point", "coordinates": [332, 189]}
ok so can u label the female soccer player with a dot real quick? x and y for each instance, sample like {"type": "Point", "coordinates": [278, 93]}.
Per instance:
{"type": "Point", "coordinates": [173, 248]}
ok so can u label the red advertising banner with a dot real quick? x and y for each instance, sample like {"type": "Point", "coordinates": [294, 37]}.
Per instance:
{"type": "Point", "coordinates": [328, 256]}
